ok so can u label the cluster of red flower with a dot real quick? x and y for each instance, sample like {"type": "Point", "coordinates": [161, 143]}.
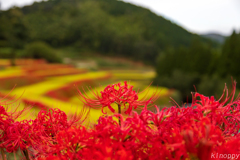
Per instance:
{"type": "Point", "coordinates": [200, 131]}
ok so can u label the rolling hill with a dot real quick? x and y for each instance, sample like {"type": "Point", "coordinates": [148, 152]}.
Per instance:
{"type": "Point", "coordinates": [108, 27]}
{"type": "Point", "coordinates": [215, 37]}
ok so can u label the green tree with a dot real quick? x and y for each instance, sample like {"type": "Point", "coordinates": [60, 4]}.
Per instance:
{"type": "Point", "coordinates": [228, 64]}
{"type": "Point", "coordinates": [41, 50]}
{"type": "Point", "coordinates": [13, 30]}
{"type": "Point", "coordinates": [182, 68]}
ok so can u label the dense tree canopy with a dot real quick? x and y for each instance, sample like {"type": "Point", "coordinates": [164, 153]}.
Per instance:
{"type": "Point", "coordinates": [228, 61]}
{"type": "Point", "coordinates": [13, 31]}
{"type": "Point", "coordinates": [109, 27]}
{"type": "Point", "coordinates": [199, 65]}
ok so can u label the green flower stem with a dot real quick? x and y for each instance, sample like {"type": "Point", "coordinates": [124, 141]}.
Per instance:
{"type": "Point", "coordinates": [119, 111]}
{"type": "Point", "coordinates": [3, 154]}
{"type": "Point", "coordinates": [26, 154]}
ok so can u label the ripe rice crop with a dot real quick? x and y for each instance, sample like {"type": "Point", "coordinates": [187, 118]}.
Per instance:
{"type": "Point", "coordinates": [67, 91]}
{"type": "Point", "coordinates": [21, 62]}
{"type": "Point", "coordinates": [133, 75]}
{"type": "Point", "coordinates": [11, 72]}
{"type": "Point", "coordinates": [208, 129]}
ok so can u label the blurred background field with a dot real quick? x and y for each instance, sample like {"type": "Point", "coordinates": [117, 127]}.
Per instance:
{"type": "Point", "coordinates": [43, 85]}
{"type": "Point", "coordinates": [49, 48]}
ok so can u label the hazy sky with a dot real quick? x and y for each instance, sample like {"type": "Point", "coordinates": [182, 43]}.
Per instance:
{"type": "Point", "coordinates": [200, 16]}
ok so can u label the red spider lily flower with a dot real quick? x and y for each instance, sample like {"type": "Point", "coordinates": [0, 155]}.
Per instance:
{"type": "Point", "coordinates": [70, 144]}
{"type": "Point", "coordinates": [18, 136]}
{"type": "Point", "coordinates": [201, 131]}
{"type": "Point", "coordinates": [5, 122]}
{"type": "Point", "coordinates": [224, 113]}
{"type": "Point", "coordinates": [230, 147]}
{"type": "Point", "coordinates": [208, 103]}
{"type": "Point", "coordinates": [5, 118]}
{"type": "Point", "coordinates": [122, 95]}
{"type": "Point", "coordinates": [201, 138]}
{"type": "Point", "coordinates": [53, 121]}
{"type": "Point", "coordinates": [51, 157]}
{"type": "Point", "coordinates": [106, 151]}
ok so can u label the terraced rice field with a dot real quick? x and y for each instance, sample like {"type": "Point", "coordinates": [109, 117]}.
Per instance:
{"type": "Point", "coordinates": [44, 85]}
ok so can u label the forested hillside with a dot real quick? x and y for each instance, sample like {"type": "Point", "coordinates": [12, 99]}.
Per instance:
{"type": "Point", "coordinates": [201, 66]}
{"type": "Point", "coordinates": [109, 27]}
